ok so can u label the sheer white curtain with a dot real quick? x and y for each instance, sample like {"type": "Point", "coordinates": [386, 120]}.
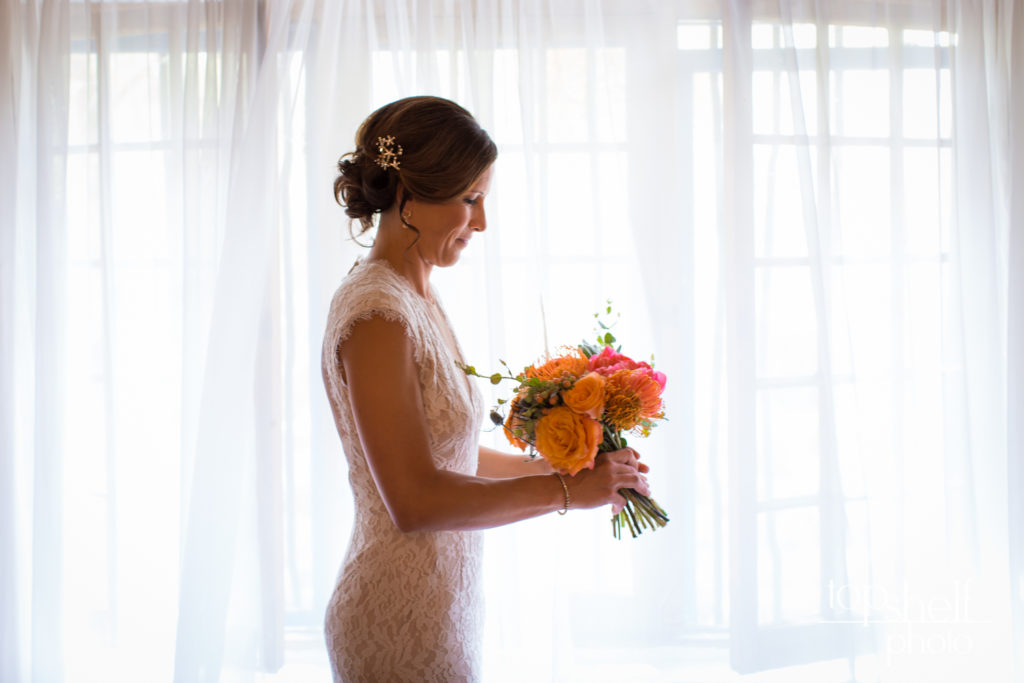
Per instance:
{"type": "Point", "coordinates": [810, 212]}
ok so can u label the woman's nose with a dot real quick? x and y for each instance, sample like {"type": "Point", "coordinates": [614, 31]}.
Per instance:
{"type": "Point", "coordinates": [478, 221]}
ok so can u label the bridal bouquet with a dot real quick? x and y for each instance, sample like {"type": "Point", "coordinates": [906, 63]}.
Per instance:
{"type": "Point", "coordinates": [571, 407]}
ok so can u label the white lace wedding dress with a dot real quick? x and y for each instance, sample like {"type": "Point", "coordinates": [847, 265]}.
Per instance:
{"type": "Point", "coordinates": [406, 606]}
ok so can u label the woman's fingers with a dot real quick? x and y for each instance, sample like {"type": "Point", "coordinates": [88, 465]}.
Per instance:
{"type": "Point", "coordinates": [626, 456]}
{"type": "Point", "coordinates": [639, 483]}
{"type": "Point", "coordinates": [629, 456]}
{"type": "Point", "coordinates": [625, 477]}
{"type": "Point", "coordinates": [613, 471]}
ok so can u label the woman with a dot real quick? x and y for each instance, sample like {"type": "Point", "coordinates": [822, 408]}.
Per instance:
{"type": "Point", "coordinates": [407, 602]}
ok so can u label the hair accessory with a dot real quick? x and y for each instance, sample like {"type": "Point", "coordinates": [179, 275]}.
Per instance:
{"type": "Point", "coordinates": [565, 489]}
{"type": "Point", "coordinates": [388, 152]}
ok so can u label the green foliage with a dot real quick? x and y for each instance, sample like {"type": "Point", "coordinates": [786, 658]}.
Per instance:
{"type": "Point", "coordinates": [604, 334]}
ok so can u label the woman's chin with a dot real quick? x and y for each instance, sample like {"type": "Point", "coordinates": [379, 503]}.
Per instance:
{"type": "Point", "coordinates": [447, 260]}
{"type": "Point", "coordinates": [452, 256]}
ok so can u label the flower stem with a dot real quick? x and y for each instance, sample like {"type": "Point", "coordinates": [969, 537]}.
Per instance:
{"type": "Point", "coordinates": [639, 513]}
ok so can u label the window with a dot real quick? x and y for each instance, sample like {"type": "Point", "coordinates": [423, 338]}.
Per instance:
{"type": "Point", "coordinates": [842, 260]}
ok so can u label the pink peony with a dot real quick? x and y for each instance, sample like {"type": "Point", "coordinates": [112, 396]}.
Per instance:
{"type": "Point", "coordinates": [609, 361]}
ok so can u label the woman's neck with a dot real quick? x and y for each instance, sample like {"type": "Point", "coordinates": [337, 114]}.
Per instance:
{"type": "Point", "coordinates": [395, 244]}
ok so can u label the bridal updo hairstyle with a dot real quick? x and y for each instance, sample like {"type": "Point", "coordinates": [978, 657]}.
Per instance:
{"type": "Point", "coordinates": [444, 150]}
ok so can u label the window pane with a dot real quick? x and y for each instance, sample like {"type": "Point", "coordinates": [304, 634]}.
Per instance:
{"type": "Point", "coordinates": [514, 219]}
{"type": "Point", "coordinates": [611, 197]}
{"type": "Point", "coordinates": [390, 68]}
{"type": "Point", "coordinates": [707, 156]}
{"type": "Point", "coordinates": [862, 198]}
{"type": "Point", "coordinates": [862, 318]}
{"type": "Point", "coordinates": [567, 95]}
{"type": "Point", "coordinates": [508, 126]}
{"type": "Point", "coordinates": [788, 561]}
{"type": "Point", "coordinates": [140, 214]}
{"type": "Point", "coordinates": [926, 105]}
{"type": "Point", "coordinates": [804, 36]}
{"type": "Point", "coordinates": [858, 36]}
{"type": "Point", "coordinates": [927, 199]}
{"type": "Point", "coordinates": [570, 224]}
{"type": "Point", "coordinates": [135, 111]}
{"type": "Point", "coordinates": [83, 202]}
{"type": "Point", "coordinates": [762, 36]}
{"type": "Point", "coordinates": [698, 35]}
{"type": "Point", "coordinates": [787, 335]}
{"type": "Point", "coordinates": [779, 198]}
{"type": "Point", "coordinates": [923, 322]}
{"type": "Point", "coordinates": [781, 111]}
{"type": "Point", "coordinates": [925, 38]}
{"type": "Point", "coordinates": [610, 95]}
{"type": "Point", "coordinates": [787, 444]}
{"type": "Point", "coordinates": [862, 97]}
{"type": "Point", "coordinates": [864, 434]}
{"type": "Point", "coordinates": [82, 109]}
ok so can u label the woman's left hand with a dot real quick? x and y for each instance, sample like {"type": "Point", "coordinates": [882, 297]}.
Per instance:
{"type": "Point", "coordinates": [629, 456]}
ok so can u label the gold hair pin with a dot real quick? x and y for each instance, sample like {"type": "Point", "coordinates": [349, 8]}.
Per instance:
{"type": "Point", "coordinates": [388, 152]}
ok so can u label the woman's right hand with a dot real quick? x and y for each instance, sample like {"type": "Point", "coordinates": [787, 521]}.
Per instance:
{"type": "Point", "coordinates": [600, 486]}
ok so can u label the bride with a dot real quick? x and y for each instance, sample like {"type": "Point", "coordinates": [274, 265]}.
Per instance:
{"type": "Point", "coordinates": [407, 604]}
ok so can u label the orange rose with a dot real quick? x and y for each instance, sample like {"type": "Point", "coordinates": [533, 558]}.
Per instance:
{"type": "Point", "coordinates": [587, 396]}
{"type": "Point", "coordinates": [568, 441]}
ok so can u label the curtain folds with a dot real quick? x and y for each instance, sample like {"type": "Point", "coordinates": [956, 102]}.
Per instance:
{"type": "Point", "coordinates": [809, 212]}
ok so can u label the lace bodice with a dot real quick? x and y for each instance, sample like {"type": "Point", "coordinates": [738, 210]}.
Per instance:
{"type": "Point", "coordinates": [407, 605]}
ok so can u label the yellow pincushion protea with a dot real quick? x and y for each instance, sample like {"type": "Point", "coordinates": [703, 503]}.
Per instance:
{"type": "Point", "coordinates": [631, 398]}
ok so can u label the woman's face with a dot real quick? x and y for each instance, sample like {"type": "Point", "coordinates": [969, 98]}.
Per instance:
{"type": "Point", "coordinates": [446, 228]}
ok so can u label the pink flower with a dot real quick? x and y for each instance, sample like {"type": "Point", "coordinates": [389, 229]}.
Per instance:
{"type": "Point", "coordinates": [609, 361]}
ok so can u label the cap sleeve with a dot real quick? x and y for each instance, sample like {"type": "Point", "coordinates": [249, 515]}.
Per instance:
{"type": "Point", "coordinates": [370, 291]}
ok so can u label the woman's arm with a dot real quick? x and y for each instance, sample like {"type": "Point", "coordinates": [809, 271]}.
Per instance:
{"type": "Point", "coordinates": [387, 404]}
{"type": "Point", "coordinates": [497, 465]}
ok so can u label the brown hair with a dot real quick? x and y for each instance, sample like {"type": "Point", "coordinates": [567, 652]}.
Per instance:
{"type": "Point", "coordinates": [444, 150]}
